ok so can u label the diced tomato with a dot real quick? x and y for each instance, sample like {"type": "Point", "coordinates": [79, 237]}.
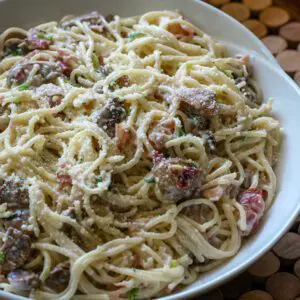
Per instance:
{"type": "Point", "coordinates": [124, 136]}
{"type": "Point", "coordinates": [157, 157]}
{"type": "Point", "coordinates": [184, 175]}
{"type": "Point", "coordinates": [181, 30]}
{"type": "Point", "coordinates": [64, 180]}
{"type": "Point", "coordinates": [67, 62]}
{"type": "Point", "coordinates": [254, 206]}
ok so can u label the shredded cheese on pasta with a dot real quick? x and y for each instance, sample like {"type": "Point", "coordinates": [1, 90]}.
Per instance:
{"type": "Point", "coordinates": [98, 118]}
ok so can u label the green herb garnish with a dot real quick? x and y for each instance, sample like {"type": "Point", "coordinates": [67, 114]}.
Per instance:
{"type": "Point", "coordinates": [99, 179]}
{"type": "Point", "coordinates": [228, 73]}
{"type": "Point", "coordinates": [173, 264]}
{"type": "Point", "coordinates": [133, 294]}
{"type": "Point", "coordinates": [180, 131]}
{"type": "Point", "coordinates": [45, 36]}
{"type": "Point", "coordinates": [23, 87]}
{"type": "Point", "coordinates": [17, 52]}
{"type": "Point", "coordinates": [95, 61]}
{"type": "Point", "coordinates": [136, 35]}
{"type": "Point", "coordinates": [2, 257]}
{"type": "Point", "coordinates": [194, 165]}
{"type": "Point", "coordinates": [149, 180]}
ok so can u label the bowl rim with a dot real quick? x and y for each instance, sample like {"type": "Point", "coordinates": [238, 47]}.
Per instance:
{"type": "Point", "coordinates": [261, 47]}
{"type": "Point", "coordinates": [234, 272]}
{"type": "Point", "coordinates": [264, 56]}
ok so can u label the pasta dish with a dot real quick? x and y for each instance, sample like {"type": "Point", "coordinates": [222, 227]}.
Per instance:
{"type": "Point", "coordinates": [135, 154]}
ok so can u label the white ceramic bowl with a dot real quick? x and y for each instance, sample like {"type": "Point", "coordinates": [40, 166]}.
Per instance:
{"type": "Point", "coordinates": [272, 80]}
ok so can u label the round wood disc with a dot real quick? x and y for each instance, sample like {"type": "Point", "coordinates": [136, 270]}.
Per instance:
{"type": "Point", "coordinates": [256, 295]}
{"type": "Point", "coordinates": [290, 62]}
{"type": "Point", "coordinates": [291, 31]}
{"type": "Point", "coordinates": [297, 80]}
{"type": "Point", "coordinates": [283, 286]}
{"type": "Point", "coordinates": [274, 16]}
{"type": "Point", "coordinates": [266, 266]}
{"type": "Point", "coordinates": [257, 5]}
{"type": "Point", "coordinates": [238, 11]}
{"type": "Point", "coordinates": [257, 27]}
{"type": "Point", "coordinates": [238, 286]}
{"type": "Point", "coordinates": [275, 43]}
{"type": "Point", "coordinates": [218, 2]}
{"type": "Point", "coordinates": [215, 295]}
{"type": "Point", "coordinates": [297, 268]}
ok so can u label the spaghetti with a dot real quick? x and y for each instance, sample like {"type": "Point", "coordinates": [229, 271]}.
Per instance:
{"type": "Point", "coordinates": [135, 154]}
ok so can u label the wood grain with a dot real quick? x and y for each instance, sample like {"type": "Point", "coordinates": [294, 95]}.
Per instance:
{"type": "Point", "coordinates": [257, 5]}
{"type": "Point", "coordinates": [283, 286]}
{"type": "Point", "coordinates": [257, 27]}
{"type": "Point", "coordinates": [256, 295]}
{"type": "Point", "coordinates": [274, 16]}
{"type": "Point", "coordinates": [238, 11]}
{"type": "Point", "coordinates": [290, 62]}
{"type": "Point", "coordinates": [266, 266]}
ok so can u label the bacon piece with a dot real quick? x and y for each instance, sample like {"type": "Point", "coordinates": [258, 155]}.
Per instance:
{"type": "Point", "coordinates": [161, 133]}
{"type": "Point", "coordinates": [254, 206]}
{"type": "Point", "coordinates": [58, 278]}
{"type": "Point", "coordinates": [16, 250]}
{"type": "Point", "coordinates": [109, 115]}
{"type": "Point", "coordinates": [181, 30]}
{"type": "Point", "coordinates": [196, 101]}
{"type": "Point", "coordinates": [177, 178]}
{"type": "Point", "coordinates": [124, 136]}
{"type": "Point", "coordinates": [14, 193]}
{"type": "Point", "coordinates": [46, 72]}
{"type": "Point", "coordinates": [23, 280]}
{"type": "Point", "coordinates": [37, 39]}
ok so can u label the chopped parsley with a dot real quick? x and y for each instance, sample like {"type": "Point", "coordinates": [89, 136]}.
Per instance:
{"type": "Point", "coordinates": [95, 61]}
{"type": "Point", "coordinates": [228, 73]}
{"type": "Point", "coordinates": [194, 165]}
{"type": "Point", "coordinates": [99, 179]}
{"type": "Point", "coordinates": [17, 52]}
{"type": "Point", "coordinates": [245, 138]}
{"type": "Point", "coordinates": [18, 100]}
{"type": "Point", "coordinates": [2, 257]}
{"type": "Point", "coordinates": [133, 294]}
{"type": "Point", "coordinates": [149, 180]}
{"type": "Point", "coordinates": [173, 264]}
{"type": "Point", "coordinates": [136, 35]}
{"type": "Point", "coordinates": [23, 87]}
{"type": "Point", "coordinates": [45, 36]}
{"type": "Point", "coordinates": [180, 131]}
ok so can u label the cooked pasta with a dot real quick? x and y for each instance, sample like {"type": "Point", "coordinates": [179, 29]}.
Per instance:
{"type": "Point", "coordinates": [135, 154]}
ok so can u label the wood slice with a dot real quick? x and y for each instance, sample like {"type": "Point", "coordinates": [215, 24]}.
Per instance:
{"type": "Point", "coordinates": [274, 16]}
{"type": "Point", "coordinates": [257, 5]}
{"type": "Point", "coordinates": [238, 11]}
{"type": "Point", "coordinates": [297, 80]}
{"type": "Point", "coordinates": [266, 266]}
{"type": "Point", "coordinates": [257, 27]}
{"type": "Point", "coordinates": [238, 286]}
{"type": "Point", "coordinates": [295, 225]}
{"type": "Point", "coordinates": [283, 286]}
{"type": "Point", "coordinates": [297, 268]}
{"type": "Point", "coordinates": [291, 32]}
{"type": "Point", "coordinates": [290, 62]}
{"type": "Point", "coordinates": [256, 295]}
{"type": "Point", "coordinates": [212, 295]}
{"type": "Point", "coordinates": [218, 2]}
{"type": "Point", "coordinates": [275, 43]}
